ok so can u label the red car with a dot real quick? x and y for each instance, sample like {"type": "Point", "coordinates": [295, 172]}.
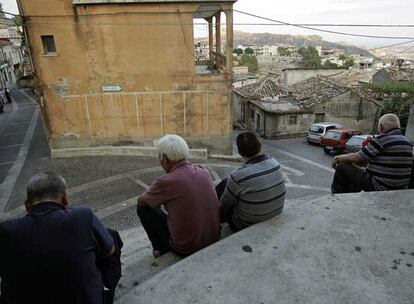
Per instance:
{"type": "Point", "coordinates": [335, 140]}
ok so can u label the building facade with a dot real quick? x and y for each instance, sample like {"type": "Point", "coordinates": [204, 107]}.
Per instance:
{"type": "Point", "coordinates": [274, 111]}
{"type": "Point", "coordinates": [114, 72]}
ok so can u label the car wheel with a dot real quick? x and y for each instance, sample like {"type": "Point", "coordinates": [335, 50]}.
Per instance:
{"type": "Point", "coordinates": [327, 151]}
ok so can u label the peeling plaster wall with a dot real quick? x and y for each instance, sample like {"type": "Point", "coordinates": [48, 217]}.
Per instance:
{"type": "Point", "coordinates": [153, 63]}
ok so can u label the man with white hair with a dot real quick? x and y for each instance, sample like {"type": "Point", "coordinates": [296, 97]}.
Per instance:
{"type": "Point", "coordinates": [389, 160]}
{"type": "Point", "coordinates": [188, 194]}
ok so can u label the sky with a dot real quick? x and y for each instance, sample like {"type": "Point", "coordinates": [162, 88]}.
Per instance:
{"type": "Point", "coordinates": [320, 11]}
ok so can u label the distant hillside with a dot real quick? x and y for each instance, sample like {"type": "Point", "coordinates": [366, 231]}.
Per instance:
{"type": "Point", "coordinates": [298, 41]}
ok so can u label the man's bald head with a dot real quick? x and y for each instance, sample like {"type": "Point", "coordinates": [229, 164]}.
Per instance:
{"type": "Point", "coordinates": [388, 122]}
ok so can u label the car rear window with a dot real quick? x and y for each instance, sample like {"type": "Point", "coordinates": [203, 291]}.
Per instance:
{"type": "Point", "coordinates": [356, 141]}
{"type": "Point", "coordinates": [332, 135]}
{"type": "Point", "coordinates": [316, 129]}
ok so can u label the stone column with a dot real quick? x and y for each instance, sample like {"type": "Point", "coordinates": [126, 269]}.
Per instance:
{"type": "Point", "coordinates": [229, 42]}
{"type": "Point", "coordinates": [210, 38]}
{"type": "Point", "coordinates": [218, 37]}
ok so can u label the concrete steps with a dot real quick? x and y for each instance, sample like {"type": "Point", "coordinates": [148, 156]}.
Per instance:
{"type": "Point", "coordinates": [138, 263]}
{"type": "Point", "coordinates": [353, 248]}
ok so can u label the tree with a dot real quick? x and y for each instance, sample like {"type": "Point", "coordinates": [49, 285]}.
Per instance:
{"type": "Point", "coordinates": [310, 57]}
{"type": "Point", "coordinates": [251, 62]}
{"type": "Point", "coordinates": [330, 65]}
{"type": "Point", "coordinates": [349, 62]}
{"type": "Point", "coordinates": [342, 57]}
{"type": "Point", "coordinates": [249, 51]}
{"type": "Point", "coordinates": [399, 96]}
{"type": "Point", "coordinates": [283, 51]}
{"type": "Point", "coordinates": [238, 51]}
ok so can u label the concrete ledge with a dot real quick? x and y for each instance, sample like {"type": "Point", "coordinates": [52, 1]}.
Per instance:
{"type": "Point", "coordinates": [119, 151]}
{"type": "Point", "coordinates": [234, 157]}
{"type": "Point", "coordinates": [355, 248]}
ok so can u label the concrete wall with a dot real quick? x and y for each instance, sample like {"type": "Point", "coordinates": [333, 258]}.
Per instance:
{"type": "Point", "coordinates": [238, 103]}
{"type": "Point", "coordinates": [298, 75]}
{"type": "Point", "coordinates": [284, 129]}
{"type": "Point", "coordinates": [348, 109]}
{"type": "Point", "coordinates": [154, 64]}
{"type": "Point", "coordinates": [351, 111]}
{"type": "Point", "coordinates": [409, 131]}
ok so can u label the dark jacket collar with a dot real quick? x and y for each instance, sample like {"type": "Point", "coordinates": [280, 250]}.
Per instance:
{"type": "Point", "coordinates": [46, 206]}
{"type": "Point", "coordinates": [395, 130]}
{"type": "Point", "coordinates": [257, 159]}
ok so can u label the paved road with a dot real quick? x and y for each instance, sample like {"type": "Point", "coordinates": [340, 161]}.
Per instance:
{"type": "Point", "coordinates": [110, 185]}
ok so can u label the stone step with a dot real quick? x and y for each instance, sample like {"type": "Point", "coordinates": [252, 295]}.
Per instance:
{"type": "Point", "coordinates": [138, 263]}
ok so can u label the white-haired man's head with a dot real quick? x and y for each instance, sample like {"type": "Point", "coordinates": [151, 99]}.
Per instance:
{"type": "Point", "coordinates": [172, 149]}
{"type": "Point", "coordinates": [388, 122]}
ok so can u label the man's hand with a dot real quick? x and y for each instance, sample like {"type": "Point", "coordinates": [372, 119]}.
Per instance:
{"type": "Point", "coordinates": [141, 202]}
{"type": "Point", "coordinates": [354, 158]}
{"type": "Point", "coordinates": [335, 161]}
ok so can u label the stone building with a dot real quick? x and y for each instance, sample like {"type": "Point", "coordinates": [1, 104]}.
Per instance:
{"type": "Point", "coordinates": [393, 74]}
{"type": "Point", "coordinates": [274, 111]}
{"type": "Point", "coordinates": [105, 79]}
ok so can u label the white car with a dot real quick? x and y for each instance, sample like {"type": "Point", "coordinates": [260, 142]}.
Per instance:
{"type": "Point", "coordinates": [318, 130]}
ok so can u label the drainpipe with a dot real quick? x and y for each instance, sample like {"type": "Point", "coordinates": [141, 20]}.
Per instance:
{"type": "Point", "coordinates": [26, 37]}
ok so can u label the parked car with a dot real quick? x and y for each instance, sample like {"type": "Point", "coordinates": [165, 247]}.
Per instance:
{"type": "Point", "coordinates": [318, 130]}
{"type": "Point", "coordinates": [356, 142]}
{"type": "Point", "coordinates": [335, 140]}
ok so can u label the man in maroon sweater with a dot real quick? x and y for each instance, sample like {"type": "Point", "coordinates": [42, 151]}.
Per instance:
{"type": "Point", "coordinates": [188, 194]}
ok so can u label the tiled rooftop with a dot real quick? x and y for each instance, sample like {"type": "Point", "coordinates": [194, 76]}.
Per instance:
{"type": "Point", "coordinates": [265, 87]}
{"type": "Point", "coordinates": [401, 74]}
{"type": "Point", "coordinates": [316, 90]}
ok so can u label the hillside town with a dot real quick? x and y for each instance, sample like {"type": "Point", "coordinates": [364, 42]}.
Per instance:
{"type": "Point", "coordinates": [160, 152]}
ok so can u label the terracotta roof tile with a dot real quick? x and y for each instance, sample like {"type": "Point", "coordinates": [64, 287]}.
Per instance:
{"type": "Point", "coordinates": [265, 87]}
{"type": "Point", "coordinates": [316, 90]}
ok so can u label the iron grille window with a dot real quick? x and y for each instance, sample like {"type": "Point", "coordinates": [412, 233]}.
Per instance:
{"type": "Point", "coordinates": [293, 120]}
{"type": "Point", "coordinates": [49, 44]}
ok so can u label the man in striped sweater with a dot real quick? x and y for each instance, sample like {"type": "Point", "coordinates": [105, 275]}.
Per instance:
{"type": "Point", "coordinates": [389, 157]}
{"type": "Point", "coordinates": [255, 192]}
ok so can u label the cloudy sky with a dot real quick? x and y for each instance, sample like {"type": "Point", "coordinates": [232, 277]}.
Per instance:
{"type": "Point", "coordinates": [321, 11]}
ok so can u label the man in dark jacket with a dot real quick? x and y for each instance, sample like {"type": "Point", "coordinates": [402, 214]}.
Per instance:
{"type": "Point", "coordinates": [50, 256]}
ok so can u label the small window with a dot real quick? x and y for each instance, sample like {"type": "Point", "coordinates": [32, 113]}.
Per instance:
{"type": "Point", "coordinates": [293, 119]}
{"type": "Point", "coordinates": [49, 44]}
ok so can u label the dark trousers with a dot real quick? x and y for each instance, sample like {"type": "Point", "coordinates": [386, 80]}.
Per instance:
{"type": "Point", "coordinates": [225, 210]}
{"type": "Point", "coordinates": [110, 268]}
{"type": "Point", "coordinates": [349, 178]}
{"type": "Point", "coordinates": [154, 222]}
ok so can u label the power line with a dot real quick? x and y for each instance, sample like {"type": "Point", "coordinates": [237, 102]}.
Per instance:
{"type": "Point", "coordinates": [391, 45]}
{"type": "Point", "coordinates": [320, 30]}
{"type": "Point", "coordinates": [241, 24]}
{"type": "Point", "coordinates": [281, 23]}
{"type": "Point", "coordinates": [405, 51]}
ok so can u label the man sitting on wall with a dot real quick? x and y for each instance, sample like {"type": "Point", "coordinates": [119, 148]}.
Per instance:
{"type": "Point", "coordinates": [389, 157]}
{"type": "Point", "coordinates": [256, 191]}
{"type": "Point", "coordinates": [187, 192]}
{"type": "Point", "coordinates": [50, 256]}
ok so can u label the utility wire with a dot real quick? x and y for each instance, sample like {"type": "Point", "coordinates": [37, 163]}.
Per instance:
{"type": "Point", "coordinates": [320, 30]}
{"type": "Point", "coordinates": [244, 24]}
{"type": "Point", "coordinates": [240, 12]}
{"type": "Point", "coordinates": [405, 51]}
{"type": "Point", "coordinates": [391, 45]}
